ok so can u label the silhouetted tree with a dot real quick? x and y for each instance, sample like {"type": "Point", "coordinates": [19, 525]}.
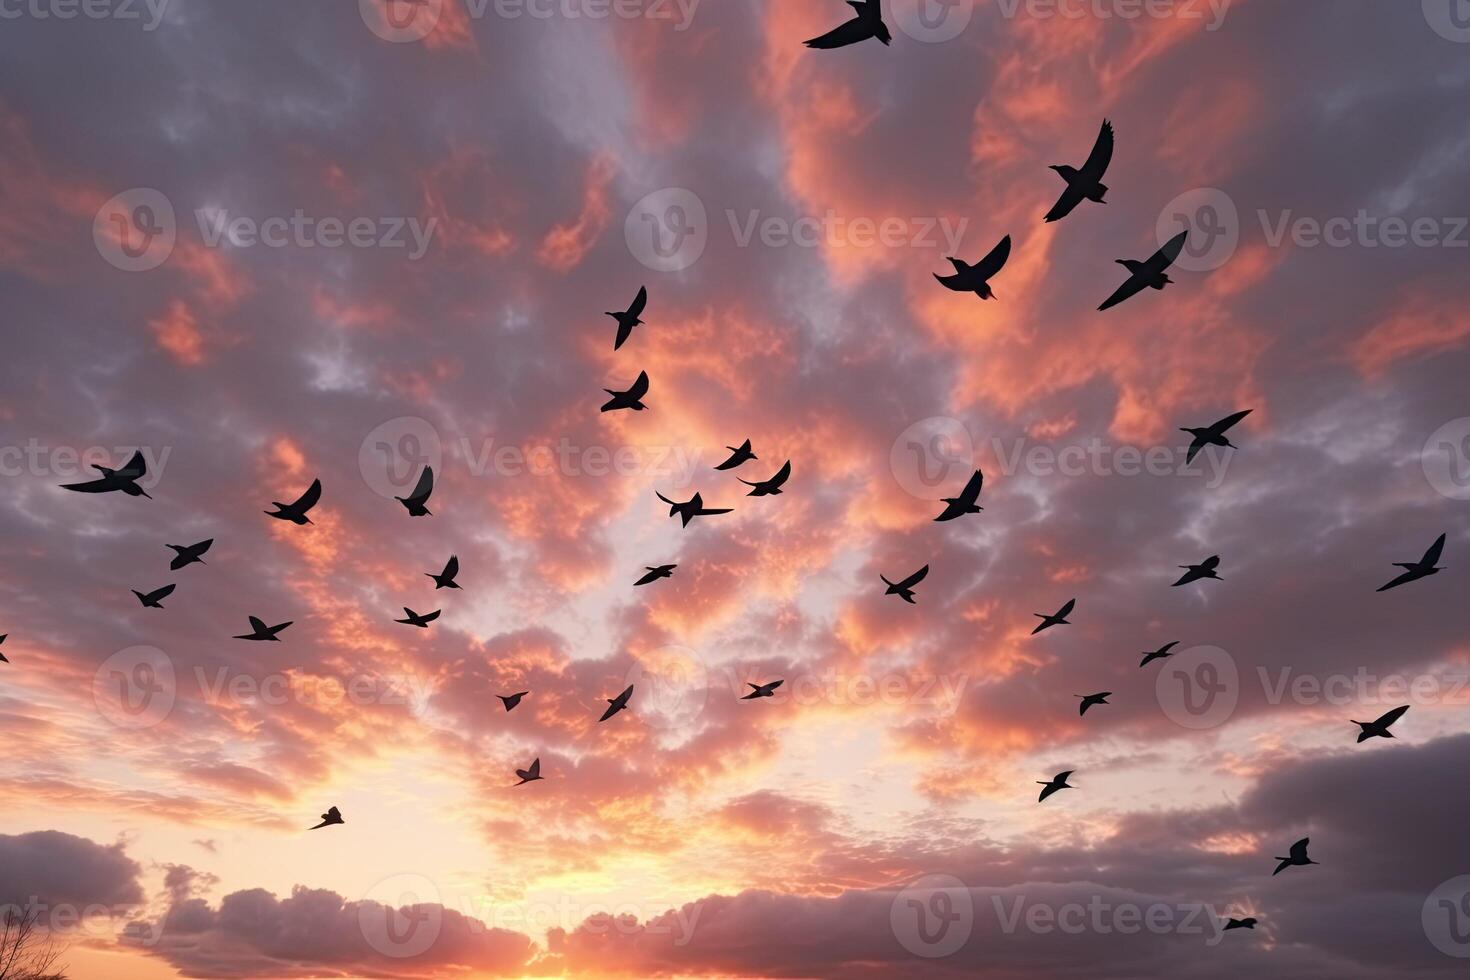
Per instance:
{"type": "Point", "coordinates": [25, 952]}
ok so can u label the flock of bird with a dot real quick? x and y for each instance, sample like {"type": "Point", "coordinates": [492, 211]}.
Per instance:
{"type": "Point", "coordinates": [1082, 184]}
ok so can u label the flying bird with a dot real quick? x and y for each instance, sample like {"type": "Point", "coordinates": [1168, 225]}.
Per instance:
{"type": "Point", "coordinates": [1059, 781]}
{"type": "Point", "coordinates": [1205, 569]}
{"type": "Point", "coordinates": [530, 775]}
{"type": "Point", "coordinates": [1149, 274]}
{"type": "Point", "coordinates": [188, 554]}
{"type": "Point", "coordinates": [512, 700]}
{"type": "Point", "coordinates": [1211, 435]}
{"type": "Point", "coordinates": [976, 278]}
{"type": "Point", "coordinates": [767, 690]}
{"type": "Point", "coordinates": [445, 579]}
{"type": "Point", "coordinates": [771, 487]}
{"type": "Point", "coordinates": [1158, 654]}
{"type": "Point", "coordinates": [1059, 618]}
{"type": "Point", "coordinates": [1379, 728]}
{"type": "Point", "coordinates": [614, 705]}
{"type": "Point", "coordinates": [632, 398]}
{"type": "Point", "coordinates": [295, 512]}
{"type": "Point", "coordinates": [738, 454]}
{"type": "Point", "coordinates": [629, 318]}
{"type": "Point", "coordinates": [868, 23]}
{"type": "Point", "coordinates": [124, 479]}
{"type": "Point", "coordinates": [656, 572]}
{"type": "Point", "coordinates": [965, 503]}
{"type": "Point", "coordinates": [414, 502]}
{"type": "Point", "coordinates": [332, 816]}
{"type": "Point", "coordinates": [260, 631]}
{"type": "Point", "coordinates": [1298, 857]}
{"type": "Point", "coordinates": [1085, 184]}
{"type": "Point", "coordinates": [414, 619]}
{"type": "Point", "coordinates": [2, 656]}
{"type": "Point", "coordinates": [1249, 922]}
{"type": "Point", "coordinates": [690, 509]}
{"type": "Point", "coordinates": [1088, 700]}
{"type": "Point", "coordinates": [1415, 570]}
{"type": "Point", "coordinates": [905, 589]}
{"type": "Point", "coordinates": [152, 600]}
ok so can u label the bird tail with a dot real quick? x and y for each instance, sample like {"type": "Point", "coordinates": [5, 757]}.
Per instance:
{"type": "Point", "coordinates": [885, 581]}
{"type": "Point", "coordinates": [1098, 193]}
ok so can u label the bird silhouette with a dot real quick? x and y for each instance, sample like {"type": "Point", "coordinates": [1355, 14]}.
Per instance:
{"type": "Point", "coordinates": [1297, 859]}
{"type": "Point", "coordinates": [965, 503]}
{"type": "Point", "coordinates": [151, 600]}
{"type": "Point", "coordinates": [414, 502]}
{"type": "Point", "coordinates": [1088, 700]}
{"type": "Point", "coordinates": [690, 509]}
{"type": "Point", "coordinates": [511, 700]}
{"type": "Point", "coordinates": [868, 23]}
{"type": "Point", "coordinates": [656, 572]}
{"type": "Point", "coordinates": [905, 589]}
{"type": "Point", "coordinates": [1211, 435]}
{"type": "Point", "coordinates": [295, 512]}
{"type": "Point", "coordinates": [767, 690]}
{"type": "Point", "coordinates": [1148, 274]}
{"type": "Point", "coordinates": [1158, 654]}
{"type": "Point", "coordinates": [260, 631]}
{"type": "Point", "coordinates": [614, 705]}
{"type": "Point", "coordinates": [738, 454]}
{"type": "Point", "coordinates": [1249, 922]}
{"type": "Point", "coordinates": [1085, 184]}
{"type": "Point", "coordinates": [1379, 728]}
{"type": "Point", "coordinates": [629, 318]}
{"type": "Point", "coordinates": [1057, 782]}
{"type": "Point", "coordinates": [415, 619]}
{"type": "Point", "coordinates": [530, 775]}
{"type": "Point", "coordinates": [1415, 570]}
{"type": "Point", "coordinates": [445, 579]}
{"type": "Point", "coordinates": [976, 278]}
{"type": "Point", "coordinates": [188, 554]}
{"type": "Point", "coordinates": [1194, 573]}
{"type": "Point", "coordinates": [2, 656]}
{"type": "Point", "coordinates": [771, 487]}
{"type": "Point", "coordinates": [630, 399]}
{"type": "Point", "coordinates": [124, 479]}
{"type": "Point", "coordinates": [1059, 618]}
{"type": "Point", "coordinates": [332, 816]}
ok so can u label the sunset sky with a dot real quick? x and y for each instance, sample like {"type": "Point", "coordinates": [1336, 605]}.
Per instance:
{"type": "Point", "coordinates": [275, 241]}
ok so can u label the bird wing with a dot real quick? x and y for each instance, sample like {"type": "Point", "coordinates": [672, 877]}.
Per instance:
{"type": "Point", "coordinates": [972, 489]}
{"type": "Point", "coordinates": [1220, 427]}
{"type": "Point", "coordinates": [430, 617]}
{"type": "Point", "coordinates": [92, 486]}
{"type": "Point", "coordinates": [424, 487]}
{"type": "Point", "coordinates": [1392, 716]}
{"type": "Point", "coordinates": [1123, 293]}
{"type": "Point", "coordinates": [257, 625]}
{"type": "Point", "coordinates": [308, 499]}
{"type": "Point", "coordinates": [535, 769]}
{"type": "Point", "coordinates": [782, 475]}
{"type": "Point", "coordinates": [993, 262]}
{"type": "Point", "coordinates": [1046, 791]}
{"type": "Point", "coordinates": [1431, 557]}
{"type": "Point", "coordinates": [774, 684]}
{"type": "Point", "coordinates": [1066, 204]}
{"type": "Point", "coordinates": [1168, 646]}
{"type": "Point", "coordinates": [1210, 563]}
{"type": "Point", "coordinates": [639, 302]}
{"type": "Point", "coordinates": [1409, 576]}
{"type": "Point", "coordinates": [1066, 610]}
{"type": "Point", "coordinates": [332, 812]}
{"type": "Point", "coordinates": [163, 593]}
{"type": "Point", "coordinates": [1299, 849]}
{"type": "Point", "coordinates": [1165, 256]}
{"type": "Point", "coordinates": [640, 387]}
{"type": "Point", "coordinates": [664, 499]}
{"type": "Point", "coordinates": [851, 32]}
{"type": "Point", "coordinates": [1102, 153]}
{"type": "Point", "coordinates": [914, 579]}
{"type": "Point", "coordinates": [451, 567]}
{"type": "Point", "coordinates": [135, 467]}
{"type": "Point", "coordinates": [625, 330]}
